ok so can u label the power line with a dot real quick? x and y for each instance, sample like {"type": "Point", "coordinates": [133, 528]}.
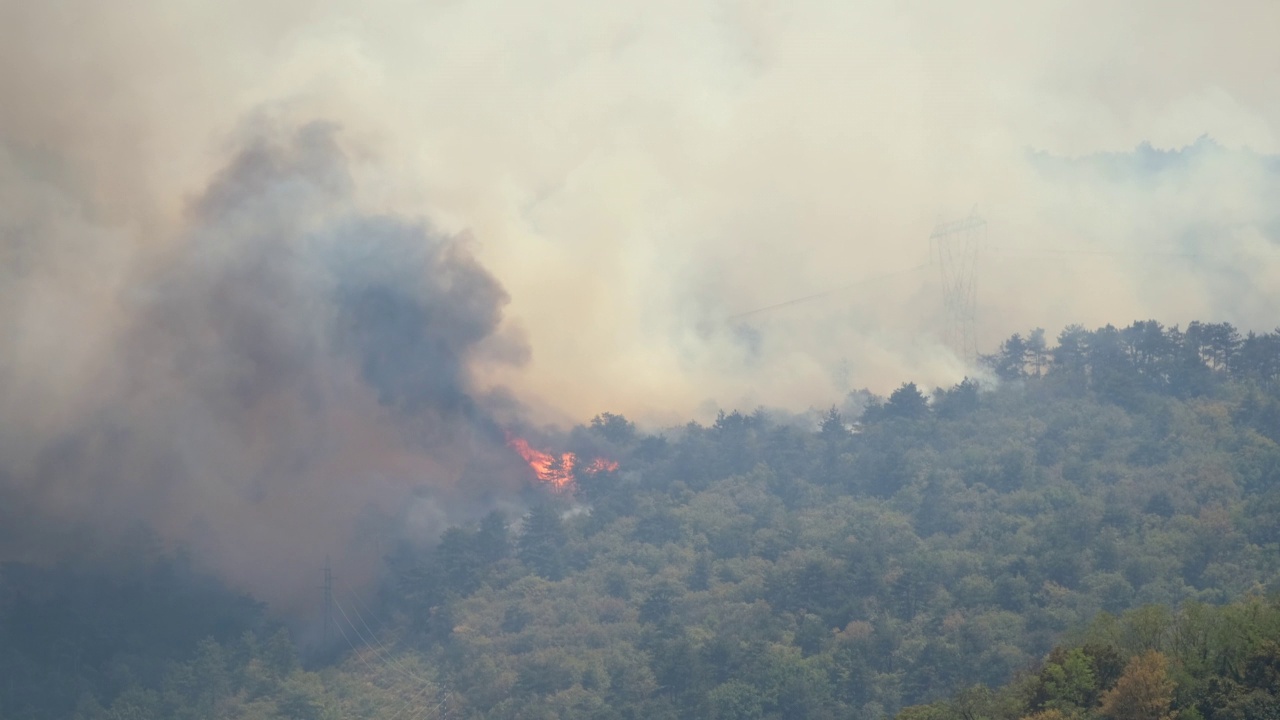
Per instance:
{"type": "Point", "coordinates": [381, 652]}
{"type": "Point", "coordinates": [359, 655]}
{"type": "Point", "coordinates": [419, 696]}
{"type": "Point", "coordinates": [1058, 252]}
{"type": "Point", "coordinates": [427, 685]}
{"type": "Point", "coordinates": [388, 661]}
{"type": "Point", "coordinates": [390, 658]}
{"type": "Point", "coordinates": [975, 223]}
{"type": "Point", "coordinates": [816, 296]}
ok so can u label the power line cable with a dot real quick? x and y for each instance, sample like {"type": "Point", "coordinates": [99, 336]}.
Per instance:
{"type": "Point", "coordinates": [415, 698]}
{"type": "Point", "coordinates": [1055, 252]}
{"type": "Point", "coordinates": [1010, 253]}
{"type": "Point", "coordinates": [427, 685]}
{"type": "Point", "coordinates": [356, 651]}
{"type": "Point", "coordinates": [796, 301]}
{"type": "Point", "coordinates": [390, 658]}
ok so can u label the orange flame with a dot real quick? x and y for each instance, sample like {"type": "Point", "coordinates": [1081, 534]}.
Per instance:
{"type": "Point", "coordinates": [600, 465]}
{"type": "Point", "coordinates": [558, 472]}
{"type": "Point", "coordinates": [547, 467]}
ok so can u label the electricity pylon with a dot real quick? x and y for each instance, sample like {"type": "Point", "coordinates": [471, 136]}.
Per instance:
{"type": "Point", "coordinates": [954, 246]}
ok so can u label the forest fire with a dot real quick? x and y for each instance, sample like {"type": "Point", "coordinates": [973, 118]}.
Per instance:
{"type": "Point", "coordinates": [557, 471]}
{"type": "Point", "coordinates": [600, 465]}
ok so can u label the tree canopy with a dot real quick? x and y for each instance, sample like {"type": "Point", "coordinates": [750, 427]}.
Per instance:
{"type": "Point", "coordinates": [1089, 531]}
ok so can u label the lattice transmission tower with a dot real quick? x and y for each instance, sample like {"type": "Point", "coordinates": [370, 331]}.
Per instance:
{"type": "Point", "coordinates": [954, 246]}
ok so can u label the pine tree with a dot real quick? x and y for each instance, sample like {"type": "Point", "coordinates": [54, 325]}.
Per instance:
{"type": "Point", "coordinates": [541, 542]}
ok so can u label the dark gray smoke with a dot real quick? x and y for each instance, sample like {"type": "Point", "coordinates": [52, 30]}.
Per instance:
{"type": "Point", "coordinates": [279, 383]}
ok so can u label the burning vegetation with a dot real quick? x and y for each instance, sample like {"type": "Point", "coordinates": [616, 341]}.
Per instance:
{"type": "Point", "coordinates": [557, 470]}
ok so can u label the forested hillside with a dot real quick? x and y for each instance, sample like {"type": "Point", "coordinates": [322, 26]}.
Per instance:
{"type": "Point", "coordinates": [1198, 662]}
{"type": "Point", "coordinates": [770, 566]}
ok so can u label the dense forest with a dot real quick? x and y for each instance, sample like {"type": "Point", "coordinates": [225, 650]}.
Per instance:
{"type": "Point", "coordinates": [1200, 661]}
{"type": "Point", "coordinates": [1092, 527]}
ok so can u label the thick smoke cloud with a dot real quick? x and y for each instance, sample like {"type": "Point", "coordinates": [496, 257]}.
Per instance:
{"type": "Point", "coordinates": [208, 321]}
{"type": "Point", "coordinates": [288, 369]}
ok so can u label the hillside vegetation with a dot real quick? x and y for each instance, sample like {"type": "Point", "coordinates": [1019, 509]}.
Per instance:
{"type": "Point", "coordinates": [765, 567]}
{"type": "Point", "coordinates": [1197, 663]}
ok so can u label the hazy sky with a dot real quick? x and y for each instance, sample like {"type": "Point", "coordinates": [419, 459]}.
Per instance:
{"type": "Point", "coordinates": [627, 174]}
{"type": "Point", "coordinates": [632, 172]}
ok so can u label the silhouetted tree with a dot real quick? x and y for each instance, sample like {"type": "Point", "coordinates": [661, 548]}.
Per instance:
{"type": "Point", "coordinates": [542, 541]}
{"type": "Point", "coordinates": [1071, 358]}
{"type": "Point", "coordinates": [492, 541]}
{"type": "Point", "coordinates": [958, 401]}
{"type": "Point", "coordinates": [614, 428]}
{"type": "Point", "coordinates": [906, 402]}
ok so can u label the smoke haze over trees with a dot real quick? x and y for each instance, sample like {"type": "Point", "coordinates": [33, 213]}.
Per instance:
{"type": "Point", "coordinates": [288, 371]}
{"type": "Point", "coordinates": [766, 567]}
{"type": "Point", "coordinates": [264, 272]}
{"type": "Point", "coordinates": [281, 283]}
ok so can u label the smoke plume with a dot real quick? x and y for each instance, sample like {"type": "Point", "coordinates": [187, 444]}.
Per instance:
{"type": "Point", "coordinates": [264, 270]}
{"type": "Point", "coordinates": [286, 369]}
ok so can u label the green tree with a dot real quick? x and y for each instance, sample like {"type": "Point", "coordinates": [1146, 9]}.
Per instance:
{"type": "Point", "coordinates": [493, 541]}
{"type": "Point", "coordinates": [1071, 358]}
{"type": "Point", "coordinates": [614, 428]}
{"type": "Point", "coordinates": [457, 562]}
{"type": "Point", "coordinates": [542, 540]}
{"type": "Point", "coordinates": [279, 654]}
{"type": "Point", "coordinates": [958, 401]}
{"type": "Point", "coordinates": [1011, 361]}
{"type": "Point", "coordinates": [906, 402]}
{"type": "Point", "coordinates": [735, 700]}
{"type": "Point", "coordinates": [1069, 683]}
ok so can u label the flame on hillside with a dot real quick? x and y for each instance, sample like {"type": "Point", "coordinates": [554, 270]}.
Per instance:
{"type": "Point", "coordinates": [600, 465]}
{"type": "Point", "coordinates": [557, 470]}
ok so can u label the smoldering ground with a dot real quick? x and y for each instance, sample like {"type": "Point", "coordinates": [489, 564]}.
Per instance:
{"type": "Point", "coordinates": [273, 386]}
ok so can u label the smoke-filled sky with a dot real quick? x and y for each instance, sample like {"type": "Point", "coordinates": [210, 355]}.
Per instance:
{"type": "Point", "coordinates": [249, 251]}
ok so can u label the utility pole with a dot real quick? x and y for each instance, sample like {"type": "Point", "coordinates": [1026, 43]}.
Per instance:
{"type": "Point", "coordinates": [954, 246]}
{"type": "Point", "coordinates": [328, 601]}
